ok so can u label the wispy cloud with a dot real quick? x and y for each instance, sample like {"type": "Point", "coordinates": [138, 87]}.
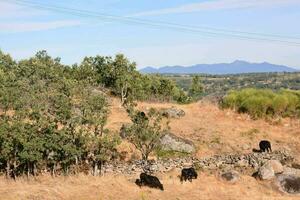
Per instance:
{"type": "Point", "coordinates": [12, 10]}
{"type": "Point", "coordinates": [219, 5]}
{"type": "Point", "coordinates": [15, 18]}
{"type": "Point", "coordinates": [36, 26]}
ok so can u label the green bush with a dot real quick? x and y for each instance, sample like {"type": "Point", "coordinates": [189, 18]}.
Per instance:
{"type": "Point", "coordinates": [259, 103]}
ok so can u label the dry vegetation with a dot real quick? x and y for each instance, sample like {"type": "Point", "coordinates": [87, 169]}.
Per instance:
{"type": "Point", "coordinates": [207, 186]}
{"type": "Point", "coordinates": [214, 131]}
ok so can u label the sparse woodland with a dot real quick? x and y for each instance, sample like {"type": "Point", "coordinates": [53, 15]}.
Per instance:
{"type": "Point", "coordinates": [53, 116]}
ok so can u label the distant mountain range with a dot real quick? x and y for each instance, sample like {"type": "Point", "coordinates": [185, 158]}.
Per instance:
{"type": "Point", "coordinates": [235, 67]}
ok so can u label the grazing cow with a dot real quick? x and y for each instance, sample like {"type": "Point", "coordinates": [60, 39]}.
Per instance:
{"type": "Point", "coordinates": [150, 181]}
{"type": "Point", "coordinates": [188, 174]}
{"type": "Point", "coordinates": [265, 146]}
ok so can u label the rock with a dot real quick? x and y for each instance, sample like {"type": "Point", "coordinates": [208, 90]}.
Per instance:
{"type": "Point", "coordinates": [291, 171]}
{"type": "Point", "coordinates": [230, 176]}
{"type": "Point", "coordinates": [187, 164]}
{"type": "Point", "coordinates": [171, 142]}
{"type": "Point", "coordinates": [276, 165]}
{"type": "Point", "coordinates": [172, 112]}
{"type": "Point", "coordinates": [269, 169]}
{"type": "Point", "coordinates": [242, 163]}
{"type": "Point", "coordinates": [266, 172]}
{"type": "Point", "coordinates": [153, 167]}
{"type": "Point", "coordinates": [289, 183]}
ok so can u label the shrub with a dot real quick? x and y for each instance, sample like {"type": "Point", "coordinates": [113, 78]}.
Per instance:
{"type": "Point", "coordinates": [259, 103]}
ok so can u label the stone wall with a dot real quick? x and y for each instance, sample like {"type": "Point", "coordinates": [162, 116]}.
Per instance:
{"type": "Point", "coordinates": [252, 160]}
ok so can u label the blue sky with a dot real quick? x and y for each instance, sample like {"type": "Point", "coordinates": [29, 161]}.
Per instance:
{"type": "Point", "coordinates": [25, 30]}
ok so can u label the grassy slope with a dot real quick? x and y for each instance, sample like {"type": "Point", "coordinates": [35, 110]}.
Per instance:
{"type": "Point", "coordinates": [217, 131]}
{"type": "Point", "coordinates": [214, 131]}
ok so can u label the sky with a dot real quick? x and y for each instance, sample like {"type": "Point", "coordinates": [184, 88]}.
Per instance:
{"type": "Point", "coordinates": [189, 31]}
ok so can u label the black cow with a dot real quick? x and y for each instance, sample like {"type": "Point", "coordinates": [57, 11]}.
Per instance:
{"type": "Point", "coordinates": [188, 174]}
{"type": "Point", "coordinates": [265, 146]}
{"type": "Point", "coordinates": [150, 181]}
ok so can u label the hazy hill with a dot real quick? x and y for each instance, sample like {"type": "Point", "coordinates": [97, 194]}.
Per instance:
{"type": "Point", "coordinates": [235, 67]}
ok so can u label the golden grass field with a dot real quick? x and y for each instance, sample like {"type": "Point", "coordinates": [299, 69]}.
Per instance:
{"type": "Point", "coordinates": [214, 131]}
{"type": "Point", "coordinates": [123, 187]}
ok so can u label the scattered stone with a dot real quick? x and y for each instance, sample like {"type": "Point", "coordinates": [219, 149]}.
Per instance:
{"type": "Point", "coordinates": [291, 171]}
{"type": "Point", "coordinates": [242, 163]}
{"type": "Point", "coordinates": [289, 184]}
{"type": "Point", "coordinates": [224, 162]}
{"type": "Point", "coordinates": [172, 112]}
{"type": "Point", "coordinates": [230, 176]}
{"type": "Point", "coordinates": [171, 142]}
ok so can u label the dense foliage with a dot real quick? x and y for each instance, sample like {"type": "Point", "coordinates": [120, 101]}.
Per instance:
{"type": "Point", "coordinates": [53, 117]}
{"type": "Point", "coordinates": [264, 102]}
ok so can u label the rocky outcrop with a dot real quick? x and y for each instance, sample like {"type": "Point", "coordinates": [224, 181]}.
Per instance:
{"type": "Point", "coordinates": [171, 142]}
{"type": "Point", "coordinates": [172, 112]}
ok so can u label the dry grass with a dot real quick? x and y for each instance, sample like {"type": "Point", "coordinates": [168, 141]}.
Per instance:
{"type": "Point", "coordinates": [214, 131]}
{"type": "Point", "coordinates": [122, 187]}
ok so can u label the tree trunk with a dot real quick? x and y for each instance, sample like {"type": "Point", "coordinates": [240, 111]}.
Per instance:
{"type": "Point", "coordinates": [76, 165]}
{"type": "Point", "coordinates": [34, 169]}
{"type": "Point", "coordinates": [145, 156]}
{"type": "Point", "coordinates": [8, 169]}
{"type": "Point", "coordinates": [95, 170]}
{"type": "Point", "coordinates": [122, 98]}
{"type": "Point", "coordinates": [66, 169]}
{"type": "Point", "coordinates": [28, 169]}
{"type": "Point", "coordinates": [123, 95]}
{"type": "Point", "coordinates": [76, 160]}
{"type": "Point", "coordinates": [15, 169]}
{"type": "Point", "coordinates": [100, 168]}
{"type": "Point", "coordinates": [53, 170]}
